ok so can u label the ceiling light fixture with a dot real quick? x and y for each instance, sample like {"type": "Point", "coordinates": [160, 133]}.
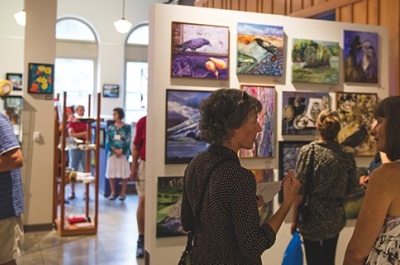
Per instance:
{"type": "Point", "coordinates": [122, 25]}
{"type": "Point", "coordinates": [20, 17]}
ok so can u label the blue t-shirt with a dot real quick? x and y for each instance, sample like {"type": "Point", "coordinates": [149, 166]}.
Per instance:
{"type": "Point", "coordinates": [11, 193]}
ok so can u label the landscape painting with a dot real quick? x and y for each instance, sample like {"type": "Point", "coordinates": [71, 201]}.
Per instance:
{"type": "Point", "coordinates": [182, 125]}
{"type": "Point", "coordinates": [199, 51]}
{"type": "Point", "coordinates": [263, 145]}
{"type": "Point", "coordinates": [169, 203]}
{"type": "Point", "coordinates": [360, 56]}
{"type": "Point", "coordinates": [315, 61]}
{"type": "Point", "coordinates": [259, 49]}
{"type": "Point", "coordinates": [356, 117]}
{"type": "Point", "coordinates": [300, 111]}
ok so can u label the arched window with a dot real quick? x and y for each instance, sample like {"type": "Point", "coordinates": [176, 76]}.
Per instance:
{"type": "Point", "coordinates": [136, 73]}
{"type": "Point", "coordinates": [76, 58]}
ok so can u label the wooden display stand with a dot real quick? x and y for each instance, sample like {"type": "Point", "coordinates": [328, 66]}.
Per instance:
{"type": "Point", "coordinates": [64, 228]}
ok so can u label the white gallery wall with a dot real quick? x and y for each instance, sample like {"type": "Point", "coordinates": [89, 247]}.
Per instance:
{"type": "Point", "coordinates": [167, 250]}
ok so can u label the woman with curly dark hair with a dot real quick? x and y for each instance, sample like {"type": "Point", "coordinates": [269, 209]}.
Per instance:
{"type": "Point", "coordinates": [219, 203]}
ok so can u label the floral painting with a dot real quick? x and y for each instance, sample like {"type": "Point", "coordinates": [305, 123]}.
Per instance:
{"type": "Point", "coordinates": [356, 115]}
{"type": "Point", "coordinates": [40, 78]}
{"type": "Point", "coordinates": [200, 51]}
{"type": "Point", "coordinates": [315, 61]}
{"type": "Point", "coordinates": [300, 111]}
{"type": "Point", "coordinates": [259, 49]}
{"type": "Point", "coordinates": [360, 56]}
{"type": "Point", "coordinates": [264, 143]}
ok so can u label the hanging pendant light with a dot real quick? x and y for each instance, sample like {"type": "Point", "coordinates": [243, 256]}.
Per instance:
{"type": "Point", "coordinates": [122, 25]}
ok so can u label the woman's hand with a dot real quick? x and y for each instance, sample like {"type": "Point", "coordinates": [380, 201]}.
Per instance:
{"type": "Point", "coordinates": [364, 180]}
{"type": "Point", "coordinates": [260, 201]}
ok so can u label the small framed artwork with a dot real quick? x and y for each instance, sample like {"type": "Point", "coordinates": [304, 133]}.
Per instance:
{"type": "Point", "coordinates": [315, 61]}
{"type": "Point", "coordinates": [263, 145]}
{"type": "Point", "coordinates": [110, 91]}
{"type": "Point", "coordinates": [182, 141]}
{"type": "Point", "coordinates": [40, 78]}
{"type": "Point", "coordinates": [262, 176]}
{"type": "Point", "coordinates": [300, 111]}
{"type": "Point", "coordinates": [356, 117]}
{"type": "Point", "coordinates": [199, 51]}
{"type": "Point", "coordinates": [169, 202]}
{"type": "Point", "coordinates": [288, 152]}
{"type": "Point", "coordinates": [16, 80]}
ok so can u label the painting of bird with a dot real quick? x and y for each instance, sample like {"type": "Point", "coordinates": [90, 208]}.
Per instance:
{"type": "Point", "coordinates": [266, 45]}
{"type": "Point", "coordinates": [194, 44]}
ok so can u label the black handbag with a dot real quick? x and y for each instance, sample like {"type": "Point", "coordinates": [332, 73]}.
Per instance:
{"type": "Point", "coordinates": [304, 209]}
{"type": "Point", "coordinates": [186, 257]}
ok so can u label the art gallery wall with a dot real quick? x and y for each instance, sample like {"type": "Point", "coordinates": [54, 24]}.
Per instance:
{"type": "Point", "coordinates": [167, 250]}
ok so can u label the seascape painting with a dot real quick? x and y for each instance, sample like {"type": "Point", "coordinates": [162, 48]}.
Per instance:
{"type": "Point", "coordinates": [356, 116]}
{"type": "Point", "coordinates": [199, 51]}
{"type": "Point", "coordinates": [169, 203]}
{"type": "Point", "coordinates": [182, 125]}
{"type": "Point", "coordinates": [354, 201]}
{"type": "Point", "coordinates": [360, 56]}
{"type": "Point", "coordinates": [264, 175]}
{"type": "Point", "coordinates": [315, 61]}
{"type": "Point", "coordinates": [300, 111]}
{"type": "Point", "coordinates": [259, 49]}
{"type": "Point", "coordinates": [264, 143]}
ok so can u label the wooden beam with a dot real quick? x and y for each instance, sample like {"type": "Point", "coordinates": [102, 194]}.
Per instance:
{"type": "Point", "coordinates": [322, 8]}
{"type": "Point", "coordinates": [200, 2]}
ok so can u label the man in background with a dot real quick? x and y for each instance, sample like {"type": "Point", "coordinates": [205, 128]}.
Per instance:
{"type": "Point", "coordinates": [138, 174]}
{"type": "Point", "coordinates": [11, 194]}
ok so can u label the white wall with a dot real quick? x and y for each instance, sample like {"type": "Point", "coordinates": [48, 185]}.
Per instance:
{"type": "Point", "coordinates": [167, 250]}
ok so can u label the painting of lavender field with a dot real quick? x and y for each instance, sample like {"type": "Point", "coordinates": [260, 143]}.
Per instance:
{"type": "Point", "coordinates": [199, 51]}
{"type": "Point", "coordinates": [169, 203]}
{"type": "Point", "coordinates": [182, 125]}
{"type": "Point", "coordinates": [264, 143]}
{"type": "Point", "coordinates": [259, 49]}
{"type": "Point", "coordinates": [300, 111]}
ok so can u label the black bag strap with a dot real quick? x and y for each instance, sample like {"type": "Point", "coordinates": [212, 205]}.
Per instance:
{"type": "Point", "coordinates": [310, 173]}
{"type": "Point", "coordinates": [189, 242]}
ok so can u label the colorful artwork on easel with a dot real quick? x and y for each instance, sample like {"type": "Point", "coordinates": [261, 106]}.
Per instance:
{"type": "Point", "coordinates": [259, 49]}
{"type": "Point", "coordinates": [300, 111]}
{"type": "Point", "coordinates": [315, 61]}
{"type": "Point", "coordinates": [360, 56]}
{"type": "Point", "coordinates": [264, 143]}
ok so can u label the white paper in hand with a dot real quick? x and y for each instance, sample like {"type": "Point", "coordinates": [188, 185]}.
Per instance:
{"type": "Point", "coordinates": [268, 189]}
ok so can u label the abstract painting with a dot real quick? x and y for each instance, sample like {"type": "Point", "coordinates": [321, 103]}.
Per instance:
{"type": "Point", "coordinates": [182, 125]}
{"type": "Point", "coordinates": [40, 78]}
{"type": "Point", "coordinates": [315, 61]}
{"type": "Point", "coordinates": [354, 201]}
{"type": "Point", "coordinates": [169, 203]}
{"type": "Point", "coordinates": [300, 111]}
{"type": "Point", "coordinates": [259, 49]}
{"type": "Point", "coordinates": [288, 152]}
{"type": "Point", "coordinates": [356, 116]}
{"type": "Point", "coordinates": [264, 175]}
{"type": "Point", "coordinates": [264, 143]}
{"type": "Point", "coordinates": [200, 51]}
{"type": "Point", "coordinates": [360, 56]}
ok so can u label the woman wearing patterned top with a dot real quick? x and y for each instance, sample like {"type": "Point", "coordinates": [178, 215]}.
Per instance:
{"type": "Point", "coordinates": [376, 236]}
{"type": "Point", "coordinates": [333, 177]}
{"type": "Point", "coordinates": [118, 147]}
{"type": "Point", "coordinates": [226, 222]}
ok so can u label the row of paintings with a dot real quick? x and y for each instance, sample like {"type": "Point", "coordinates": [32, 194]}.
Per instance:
{"type": "Point", "coordinates": [202, 51]}
{"type": "Point", "coordinates": [299, 113]}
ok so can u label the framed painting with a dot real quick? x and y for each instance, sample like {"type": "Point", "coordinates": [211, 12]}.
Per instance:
{"type": "Point", "coordinates": [16, 80]}
{"type": "Point", "coordinates": [110, 91]}
{"type": "Point", "coordinates": [356, 117]}
{"type": "Point", "coordinates": [354, 201]}
{"type": "Point", "coordinates": [264, 175]}
{"type": "Point", "coordinates": [288, 152]}
{"type": "Point", "coordinates": [300, 111]}
{"type": "Point", "coordinates": [315, 61]}
{"type": "Point", "coordinates": [263, 145]}
{"type": "Point", "coordinates": [259, 49]}
{"type": "Point", "coordinates": [199, 51]}
{"type": "Point", "coordinates": [40, 78]}
{"type": "Point", "coordinates": [182, 125]}
{"type": "Point", "coordinates": [169, 202]}
{"type": "Point", "coordinates": [360, 56]}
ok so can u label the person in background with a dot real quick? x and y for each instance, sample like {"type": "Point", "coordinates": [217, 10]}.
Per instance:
{"type": "Point", "coordinates": [371, 242]}
{"type": "Point", "coordinates": [78, 130]}
{"type": "Point", "coordinates": [118, 146]}
{"type": "Point", "coordinates": [226, 223]}
{"type": "Point", "coordinates": [11, 194]}
{"type": "Point", "coordinates": [379, 159]}
{"type": "Point", "coordinates": [138, 173]}
{"type": "Point", "coordinates": [330, 173]}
